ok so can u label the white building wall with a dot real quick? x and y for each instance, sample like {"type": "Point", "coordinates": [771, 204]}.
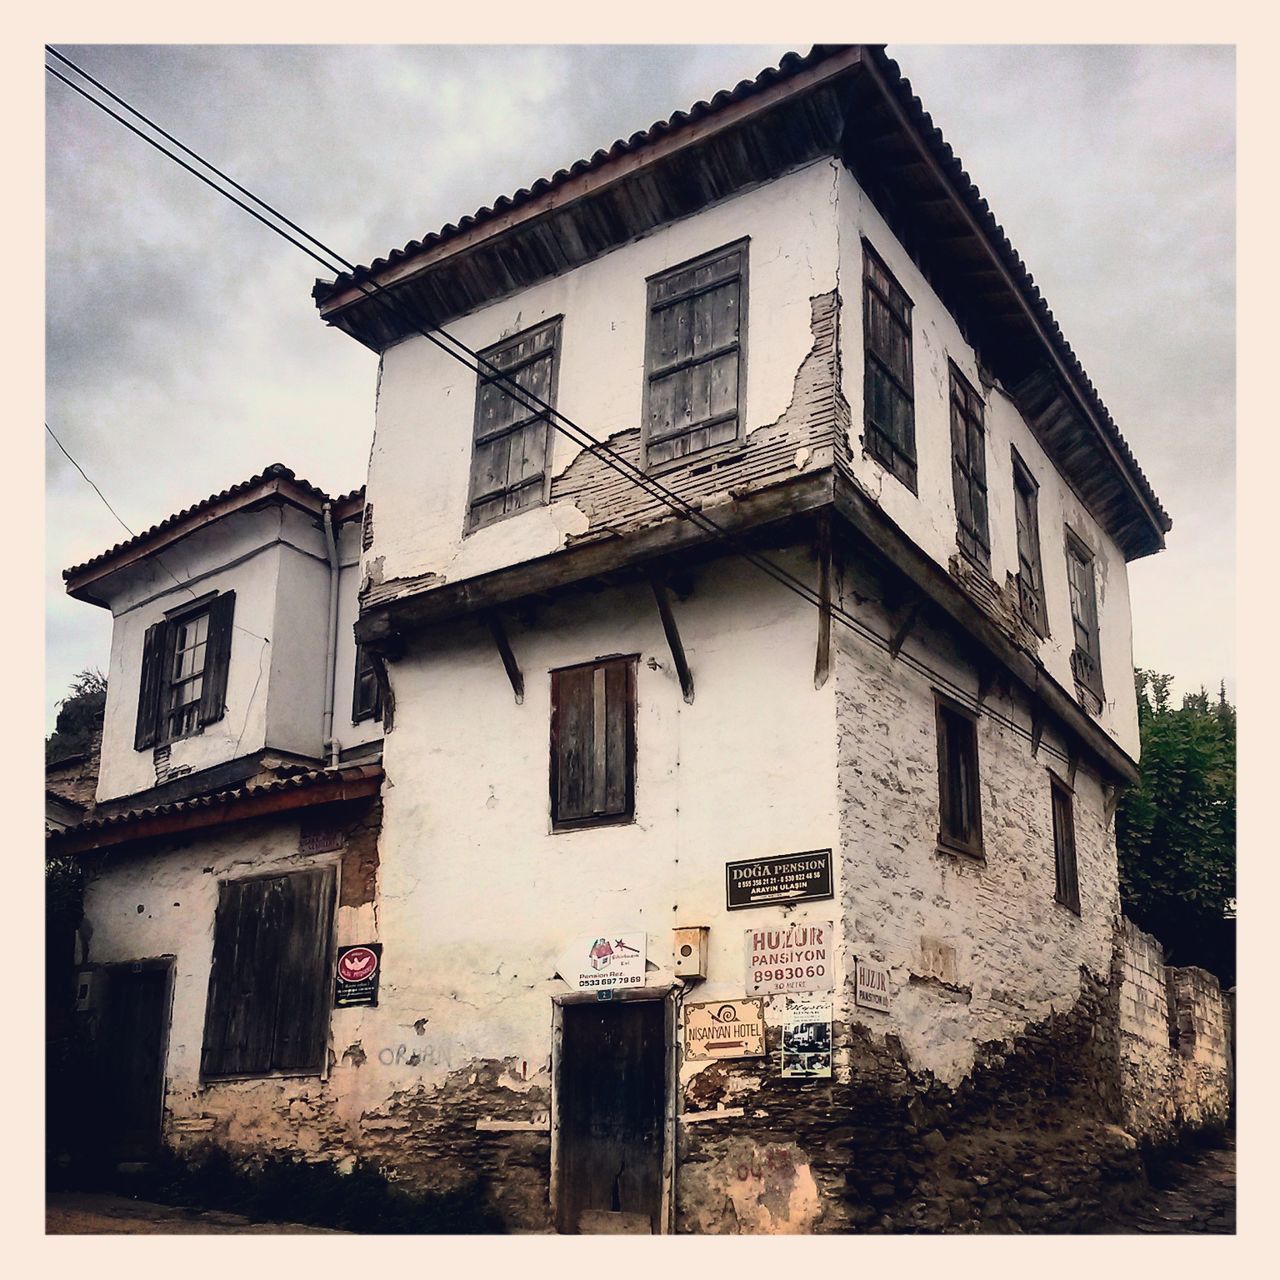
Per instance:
{"type": "Point", "coordinates": [420, 464]}
{"type": "Point", "coordinates": [929, 518]}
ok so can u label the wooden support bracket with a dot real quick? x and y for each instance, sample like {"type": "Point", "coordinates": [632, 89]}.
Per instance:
{"type": "Point", "coordinates": [1037, 728]}
{"type": "Point", "coordinates": [1073, 763]}
{"type": "Point", "coordinates": [988, 673]}
{"type": "Point", "coordinates": [672, 632]}
{"type": "Point", "coordinates": [902, 620]}
{"type": "Point", "coordinates": [822, 662]}
{"type": "Point", "coordinates": [1111, 794]}
{"type": "Point", "coordinates": [499, 633]}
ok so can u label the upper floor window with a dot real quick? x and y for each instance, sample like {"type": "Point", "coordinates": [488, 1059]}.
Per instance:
{"type": "Point", "coordinates": [512, 442]}
{"type": "Point", "coordinates": [888, 400]}
{"type": "Point", "coordinates": [1030, 577]}
{"type": "Point", "coordinates": [366, 700]}
{"type": "Point", "coordinates": [969, 471]}
{"type": "Point", "coordinates": [959, 799]}
{"type": "Point", "coordinates": [185, 658]}
{"type": "Point", "coordinates": [593, 743]}
{"type": "Point", "coordinates": [695, 358]}
{"type": "Point", "coordinates": [1067, 890]}
{"type": "Point", "coordinates": [270, 986]}
{"type": "Point", "coordinates": [1086, 660]}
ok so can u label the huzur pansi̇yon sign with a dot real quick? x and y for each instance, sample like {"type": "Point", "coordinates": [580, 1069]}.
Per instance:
{"type": "Point", "coordinates": [793, 877]}
{"type": "Point", "coordinates": [793, 957]}
{"type": "Point", "coordinates": [724, 1029]}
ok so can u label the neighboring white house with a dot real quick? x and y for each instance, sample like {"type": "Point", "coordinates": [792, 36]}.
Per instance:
{"type": "Point", "coordinates": [799, 689]}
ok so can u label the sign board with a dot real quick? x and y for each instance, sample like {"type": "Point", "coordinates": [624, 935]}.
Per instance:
{"type": "Point", "coordinates": [313, 839]}
{"type": "Point", "coordinates": [792, 957]}
{"type": "Point", "coordinates": [608, 960]}
{"type": "Point", "coordinates": [359, 969]}
{"type": "Point", "coordinates": [794, 877]}
{"type": "Point", "coordinates": [871, 988]}
{"type": "Point", "coordinates": [806, 1038]}
{"type": "Point", "coordinates": [724, 1029]}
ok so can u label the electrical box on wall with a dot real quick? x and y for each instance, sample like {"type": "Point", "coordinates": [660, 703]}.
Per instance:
{"type": "Point", "coordinates": [88, 990]}
{"type": "Point", "coordinates": [691, 951]}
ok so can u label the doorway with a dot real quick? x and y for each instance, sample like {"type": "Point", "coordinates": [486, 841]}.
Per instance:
{"type": "Point", "coordinates": [132, 1043]}
{"type": "Point", "coordinates": [611, 1137]}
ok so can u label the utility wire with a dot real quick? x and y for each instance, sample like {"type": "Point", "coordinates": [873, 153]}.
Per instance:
{"type": "Point", "coordinates": [522, 396]}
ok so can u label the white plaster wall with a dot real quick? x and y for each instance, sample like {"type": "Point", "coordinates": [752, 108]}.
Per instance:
{"type": "Point", "coordinates": [480, 900]}
{"type": "Point", "coordinates": [929, 518]}
{"type": "Point", "coordinates": [420, 463]}
{"type": "Point", "coordinates": [975, 950]}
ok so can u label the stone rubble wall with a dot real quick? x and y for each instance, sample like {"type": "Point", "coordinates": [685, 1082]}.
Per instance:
{"type": "Point", "coordinates": [1174, 1050]}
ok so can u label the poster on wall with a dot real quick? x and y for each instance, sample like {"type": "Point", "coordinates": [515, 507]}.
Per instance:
{"type": "Point", "coordinates": [806, 1038]}
{"type": "Point", "coordinates": [763, 882]}
{"type": "Point", "coordinates": [608, 960]}
{"type": "Point", "coordinates": [359, 969]}
{"type": "Point", "coordinates": [792, 957]}
{"type": "Point", "coordinates": [724, 1029]}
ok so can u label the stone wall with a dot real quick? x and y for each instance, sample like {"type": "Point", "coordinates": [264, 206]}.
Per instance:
{"type": "Point", "coordinates": [1174, 1052]}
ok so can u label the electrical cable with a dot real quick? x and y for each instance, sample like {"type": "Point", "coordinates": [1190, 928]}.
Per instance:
{"type": "Point", "coordinates": [526, 399]}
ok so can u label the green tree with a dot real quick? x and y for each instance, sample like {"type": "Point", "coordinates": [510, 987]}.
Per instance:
{"type": "Point", "coordinates": [79, 717]}
{"type": "Point", "coordinates": [1176, 830]}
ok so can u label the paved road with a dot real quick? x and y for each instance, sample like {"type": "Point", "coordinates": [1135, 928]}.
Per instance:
{"type": "Point", "coordinates": [1200, 1199]}
{"type": "Point", "coordinates": [71, 1213]}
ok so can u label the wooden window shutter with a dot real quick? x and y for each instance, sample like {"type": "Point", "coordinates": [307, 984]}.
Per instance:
{"type": "Point", "coordinates": [1066, 875]}
{"type": "Point", "coordinates": [217, 658]}
{"type": "Point", "coordinates": [593, 743]}
{"type": "Point", "coordinates": [959, 789]}
{"type": "Point", "coordinates": [147, 729]}
{"type": "Point", "coordinates": [304, 990]}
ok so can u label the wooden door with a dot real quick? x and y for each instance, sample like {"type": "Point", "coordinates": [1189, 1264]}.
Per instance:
{"type": "Point", "coordinates": [611, 1094]}
{"type": "Point", "coordinates": [134, 1033]}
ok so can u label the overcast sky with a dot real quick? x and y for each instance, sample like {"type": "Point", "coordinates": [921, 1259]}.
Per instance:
{"type": "Point", "coordinates": [184, 352]}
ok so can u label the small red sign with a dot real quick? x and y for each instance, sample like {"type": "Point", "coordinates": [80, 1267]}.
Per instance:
{"type": "Point", "coordinates": [357, 965]}
{"type": "Point", "coordinates": [358, 975]}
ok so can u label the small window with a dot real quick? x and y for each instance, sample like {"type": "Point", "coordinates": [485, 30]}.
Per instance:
{"type": "Point", "coordinates": [270, 988]}
{"type": "Point", "coordinates": [1086, 662]}
{"type": "Point", "coordinates": [185, 658]}
{"type": "Point", "coordinates": [695, 366]}
{"type": "Point", "coordinates": [960, 804]}
{"type": "Point", "coordinates": [969, 471]}
{"type": "Point", "coordinates": [889, 402]}
{"type": "Point", "coordinates": [593, 744]}
{"type": "Point", "coordinates": [1064, 846]}
{"type": "Point", "coordinates": [512, 434]}
{"type": "Point", "coordinates": [366, 702]}
{"type": "Point", "coordinates": [1030, 577]}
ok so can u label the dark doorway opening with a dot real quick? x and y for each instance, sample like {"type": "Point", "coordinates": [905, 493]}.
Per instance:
{"type": "Point", "coordinates": [611, 1097]}
{"type": "Point", "coordinates": [132, 1041]}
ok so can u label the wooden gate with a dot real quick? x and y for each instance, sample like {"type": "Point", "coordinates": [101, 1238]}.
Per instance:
{"type": "Point", "coordinates": [133, 1039]}
{"type": "Point", "coordinates": [611, 1109]}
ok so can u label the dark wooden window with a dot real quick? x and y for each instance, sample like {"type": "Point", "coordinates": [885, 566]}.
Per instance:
{"type": "Point", "coordinates": [1064, 846]}
{"type": "Point", "coordinates": [960, 802]}
{"type": "Point", "coordinates": [185, 658]}
{"type": "Point", "coordinates": [593, 743]}
{"type": "Point", "coordinates": [366, 701]}
{"type": "Point", "coordinates": [695, 358]}
{"type": "Point", "coordinates": [889, 420]}
{"type": "Point", "coordinates": [270, 988]}
{"type": "Point", "coordinates": [969, 470]}
{"type": "Point", "coordinates": [1030, 576]}
{"type": "Point", "coordinates": [512, 441]}
{"type": "Point", "coordinates": [1086, 660]}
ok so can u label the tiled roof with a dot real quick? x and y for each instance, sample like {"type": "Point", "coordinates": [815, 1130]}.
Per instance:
{"type": "Point", "coordinates": [276, 471]}
{"type": "Point", "coordinates": [219, 799]}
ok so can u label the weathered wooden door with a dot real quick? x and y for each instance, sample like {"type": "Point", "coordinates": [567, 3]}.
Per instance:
{"type": "Point", "coordinates": [612, 1086]}
{"type": "Point", "coordinates": [134, 1033]}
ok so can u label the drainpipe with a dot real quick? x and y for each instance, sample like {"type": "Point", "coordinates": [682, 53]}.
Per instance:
{"type": "Point", "coordinates": [332, 748]}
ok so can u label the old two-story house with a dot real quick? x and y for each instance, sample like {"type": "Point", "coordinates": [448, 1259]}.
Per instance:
{"type": "Point", "coordinates": [742, 578]}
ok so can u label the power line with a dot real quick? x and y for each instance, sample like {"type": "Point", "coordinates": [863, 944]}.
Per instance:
{"type": "Point", "coordinates": [522, 396]}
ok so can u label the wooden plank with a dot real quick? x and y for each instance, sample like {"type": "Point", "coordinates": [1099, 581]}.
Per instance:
{"type": "Point", "coordinates": [822, 660]}
{"type": "Point", "coordinates": [672, 632]}
{"type": "Point", "coordinates": [512, 668]}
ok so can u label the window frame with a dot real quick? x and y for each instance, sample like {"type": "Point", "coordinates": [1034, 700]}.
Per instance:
{"type": "Point", "coordinates": [1087, 672]}
{"type": "Point", "coordinates": [330, 872]}
{"type": "Point", "coordinates": [963, 397]}
{"type": "Point", "coordinates": [742, 248]}
{"type": "Point", "coordinates": [901, 463]}
{"type": "Point", "coordinates": [1024, 482]}
{"type": "Point", "coordinates": [556, 325]}
{"type": "Point", "coordinates": [1066, 865]}
{"type": "Point", "coordinates": [361, 712]}
{"type": "Point", "coordinates": [626, 814]}
{"type": "Point", "coordinates": [946, 712]}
